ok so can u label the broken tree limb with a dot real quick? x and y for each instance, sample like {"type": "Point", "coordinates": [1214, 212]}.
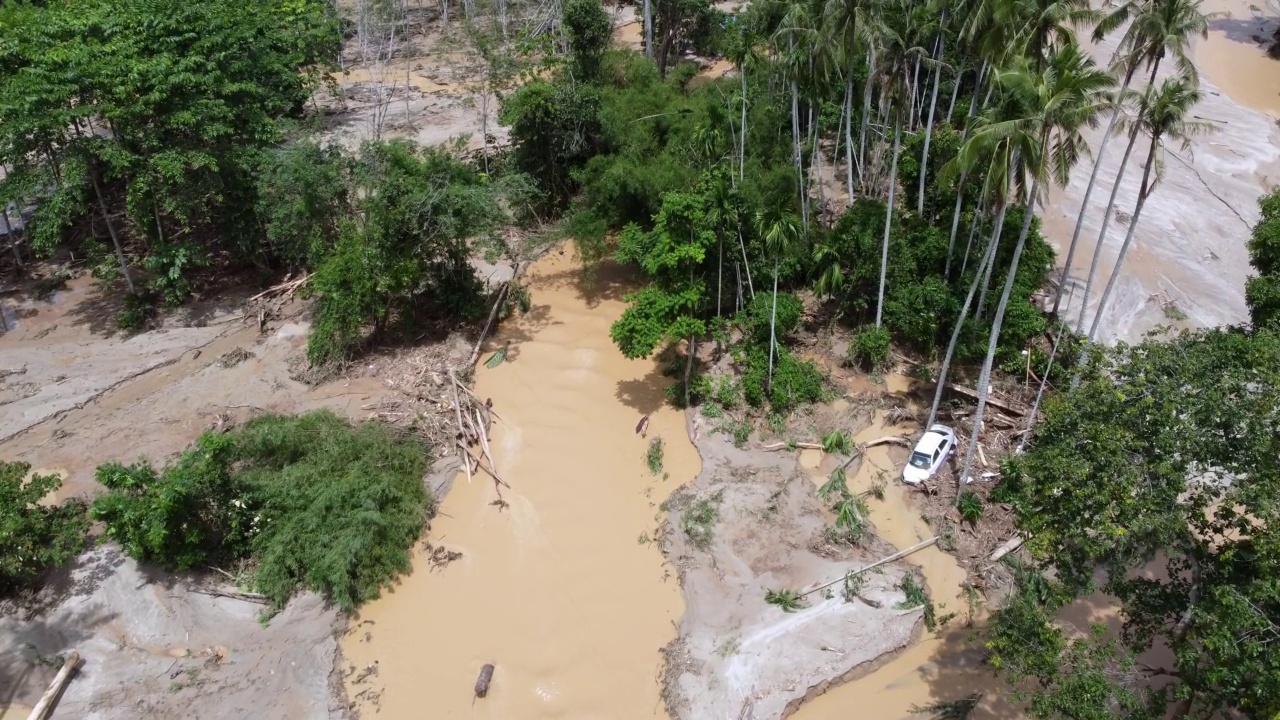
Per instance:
{"type": "Point", "coordinates": [484, 441]}
{"type": "Point", "coordinates": [244, 597]}
{"type": "Point", "coordinates": [1009, 546]}
{"type": "Point", "coordinates": [991, 400]}
{"type": "Point", "coordinates": [488, 470]}
{"type": "Point", "coordinates": [286, 286]}
{"type": "Point", "coordinates": [896, 556]}
{"type": "Point", "coordinates": [466, 460]}
{"type": "Point", "coordinates": [50, 696]}
{"type": "Point", "coordinates": [493, 313]}
{"type": "Point", "coordinates": [458, 384]}
{"type": "Point", "coordinates": [792, 446]}
{"type": "Point", "coordinates": [895, 439]}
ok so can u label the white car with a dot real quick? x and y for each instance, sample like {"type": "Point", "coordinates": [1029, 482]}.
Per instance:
{"type": "Point", "coordinates": [938, 443]}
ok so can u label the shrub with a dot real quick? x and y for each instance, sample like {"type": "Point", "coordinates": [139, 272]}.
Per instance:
{"type": "Point", "coordinates": [795, 382]}
{"type": "Point", "coordinates": [869, 349]}
{"type": "Point", "coordinates": [35, 536]}
{"type": "Point", "coordinates": [970, 506]}
{"type": "Point", "coordinates": [311, 501]}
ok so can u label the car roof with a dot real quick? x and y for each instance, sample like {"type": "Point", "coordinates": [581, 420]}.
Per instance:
{"type": "Point", "coordinates": [933, 438]}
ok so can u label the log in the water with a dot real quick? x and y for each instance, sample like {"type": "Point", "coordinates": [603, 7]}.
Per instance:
{"type": "Point", "coordinates": [482, 682]}
{"type": "Point", "coordinates": [50, 697]}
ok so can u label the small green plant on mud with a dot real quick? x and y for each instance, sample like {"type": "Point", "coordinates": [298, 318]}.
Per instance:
{"type": "Point", "coordinates": [970, 507]}
{"type": "Point", "coordinates": [851, 523]}
{"type": "Point", "coordinates": [854, 582]}
{"type": "Point", "coordinates": [788, 600]}
{"type": "Point", "coordinates": [917, 597]}
{"type": "Point", "coordinates": [837, 442]}
{"type": "Point", "coordinates": [653, 456]}
{"type": "Point", "coordinates": [699, 520]}
{"type": "Point", "coordinates": [836, 484]}
{"type": "Point", "coordinates": [877, 490]}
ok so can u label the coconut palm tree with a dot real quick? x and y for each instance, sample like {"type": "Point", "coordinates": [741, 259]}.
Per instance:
{"type": "Point", "coordinates": [780, 232]}
{"type": "Point", "coordinates": [1063, 96]}
{"type": "Point", "coordinates": [795, 42]}
{"type": "Point", "coordinates": [850, 26]}
{"type": "Point", "coordinates": [1165, 115]}
{"type": "Point", "coordinates": [1156, 28]}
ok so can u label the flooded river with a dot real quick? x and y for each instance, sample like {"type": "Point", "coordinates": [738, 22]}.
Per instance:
{"type": "Point", "coordinates": [560, 590]}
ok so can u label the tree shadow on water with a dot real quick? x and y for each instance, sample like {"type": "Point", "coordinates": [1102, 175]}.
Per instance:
{"type": "Point", "coordinates": [647, 394]}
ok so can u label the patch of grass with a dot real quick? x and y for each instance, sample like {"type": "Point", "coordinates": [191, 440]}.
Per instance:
{"type": "Point", "coordinates": [777, 423]}
{"type": "Point", "coordinates": [138, 309]}
{"type": "Point", "coordinates": [729, 647]}
{"type": "Point", "coordinates": [788, 600]}
{"type": "Point", "coordinates": [653, 456]}
{"type": "Point", "coordinates": [699, 520]}
{"type": "Point", "coordinates": [917, 597]}
{"type": "Point", "coordinates": [311, 501]}
{"type": "Point", "coordinates": [970, 507]}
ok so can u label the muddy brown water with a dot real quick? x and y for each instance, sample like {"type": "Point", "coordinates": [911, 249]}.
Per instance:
{"type": "Point", "coordinates": [1235, 56]}
{"type": "Point", "coordinates": [561, 590]}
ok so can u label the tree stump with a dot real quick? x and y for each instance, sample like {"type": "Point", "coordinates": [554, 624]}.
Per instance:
{"type": "Point", "coordinates": [482, 682]}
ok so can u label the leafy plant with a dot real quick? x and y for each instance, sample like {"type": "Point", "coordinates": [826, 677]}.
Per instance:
{"type": "Point", "coordinates": [917, 597]}
{"type": "Point", "coordinates": [970, 507]}
{"type": "Point", "coordinates": [869, 349]}
{"type": "Point", "coordinates": [788, 600]}
{"type": "Point", "coordinates": [836, 484]}
{"type": "Point", "coordinates": [653, 456]}
{"type": "Point", "coordinates": [35, 536]}
{"type": "Point", "coordinates": [837, 442]}
{"type": "Point", "coordinates": [314, 502]}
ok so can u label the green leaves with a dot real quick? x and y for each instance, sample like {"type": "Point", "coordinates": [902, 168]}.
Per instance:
{"type": "Point", "coordinates": [35, 536]}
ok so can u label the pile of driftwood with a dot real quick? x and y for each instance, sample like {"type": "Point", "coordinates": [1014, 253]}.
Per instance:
{"type": "Point", "coordinates": [474, 418]}
{"type": "Point", "coordinates": [266, 304]}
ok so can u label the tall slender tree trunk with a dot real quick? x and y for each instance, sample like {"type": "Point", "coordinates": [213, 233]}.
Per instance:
{"type": "Point", "coordinates": [928, 127]}
{"type": "Point", "coordinates": [1106, 223]}
{"type": "Point", "coordinates": [773, 322]}
{"type": "Point", "coordinates": [1044, 382]}
{"type": "Point", "coordinates": [984, 379]}
{"type": "Point", "coordinates": [720, 274]}
{"type": "Point", "coordinates": [111, 229]}
{"type": "Point", "coordinates": [888, 218]}
{"type": "Point", "coordinates": [1088, 191]}
{"type": "Point", "coordinates": [848, 136]}
{"type": "Point", "coordinates": [688, 366]}
{"type": "Point", "coordinates": [1143, 193]}
{"type": "Point", "coordinates": [964, 175]}
{"type": "Point", "coordinates": [955, 93]}
{"type": "Point", "coordinates": [987, 259]}
{"type": "Point", "coordinates": [742, 139]}
{"type": "Point", "coordinates": [746, 264]}
{"type": "Point", "coordinates": [866, 113]}
{"type": "Point", "coordinates": [915, 83]}
{"type": "Point", "coordinates": [13, 238]}
{"type": "Point", "coordinates": [796, 154]}
{"type": "Point", "coordinates": [648, 29]}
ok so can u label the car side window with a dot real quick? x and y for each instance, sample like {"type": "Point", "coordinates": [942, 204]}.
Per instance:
{"type": "Point", "coordinates": [935, 454]}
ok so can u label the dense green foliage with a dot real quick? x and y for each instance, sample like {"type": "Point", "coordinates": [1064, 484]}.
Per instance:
{"type": "Point", "coordinates": [1166, 457]}
{"type": "Point", "coordinates": [1263, 290]}
{"type": "Point", "coordinates": [159, 110]}
{"type": "Point", "coordinates": [312, 502]}
{"type": "Point", "coordinates": [35, 536]}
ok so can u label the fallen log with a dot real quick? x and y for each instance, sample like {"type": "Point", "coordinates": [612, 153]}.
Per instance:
{"type": "Point", "coordinates": [286, 286]}
{"type": "Point", "coordinates": [992, 401]}
{"type": "Point", "coordinates": [50, 696]}
{"type": "Point", "coordinates": [895, 439]}
{"type": "Point", "coordinates": [244, 597]}
{"type": "Point", "coordinates": [488, 470]}
{"type": "Point", "coordinates": [482, 682]}
{"type": "Point", "coordinates": [792, 446]}
{"type": "Point", "coordinates": [1009, 546]}
{"type": "Point", "coordinates": [896, 556]}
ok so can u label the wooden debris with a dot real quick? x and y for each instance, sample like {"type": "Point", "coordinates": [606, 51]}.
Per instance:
{"type": "Point", "coordinates": [792, 446]}
{"type": "Point", "coordinates": [991, 399]}
{"type": "Point", "coordinates": [285, 289]}
{"type": "Point", "coordinates": [642, 427]}
{"type": "Point", "coordinates": [50, 697]}
{"type": "Point", "coordinates": [482, 682]}
{"type": "Point", "coordinates": [896, 556]}
{"type": "Point", "coordinates": [895, 439]}
{"type": "Point", "coordinates": [1009, 546]}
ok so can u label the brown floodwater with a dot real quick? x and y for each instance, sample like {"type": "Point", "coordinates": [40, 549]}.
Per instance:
{"type": "Point", "coordinates": [1234, 55]}
{"type": "Point", "coordinates": [562, 589]}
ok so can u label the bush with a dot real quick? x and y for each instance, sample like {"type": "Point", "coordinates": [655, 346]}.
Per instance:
{"type": "Point", "coordinates": [795, 382]}
{"type": "Point", "coordinates": [313, 502]}
{"type": "Point", "coordinates": [869, 349]}
{"type": "Point", "coordinates": [34, 536]}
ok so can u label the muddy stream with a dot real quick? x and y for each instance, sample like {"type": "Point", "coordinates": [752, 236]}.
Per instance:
{"type": "Point", "coordinates": [560, 589]}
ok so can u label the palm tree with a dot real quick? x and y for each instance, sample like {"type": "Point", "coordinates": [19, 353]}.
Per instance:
{"type": "Point", "coordinates": [850, 26]}
{"type": "Point", "coordinates": [1062, 97]}
{"type": "Point", "coordinates": [795, 40]}
{"type": "Point", "coordinates": [742, 54]}
{"type": "Point", "coordinates": [1165, 113]}
{"type": "Point", "coordinates": [1156, 28]}
{"type": "Point", "coordinates": [780, 232]}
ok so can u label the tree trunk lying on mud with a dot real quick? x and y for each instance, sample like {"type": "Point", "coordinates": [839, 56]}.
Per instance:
{"type": "Point", "coordinates": [1012, 544]}
{"type": "Point", "coordinates": [896, 556]}
{"type": "Point", "coordinates": [991, 400]}
{"type": "Point", "coordinates": [50, 696]}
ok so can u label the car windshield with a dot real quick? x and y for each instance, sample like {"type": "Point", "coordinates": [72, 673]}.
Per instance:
{"type": "Point", "coordinates": [920, 460]}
